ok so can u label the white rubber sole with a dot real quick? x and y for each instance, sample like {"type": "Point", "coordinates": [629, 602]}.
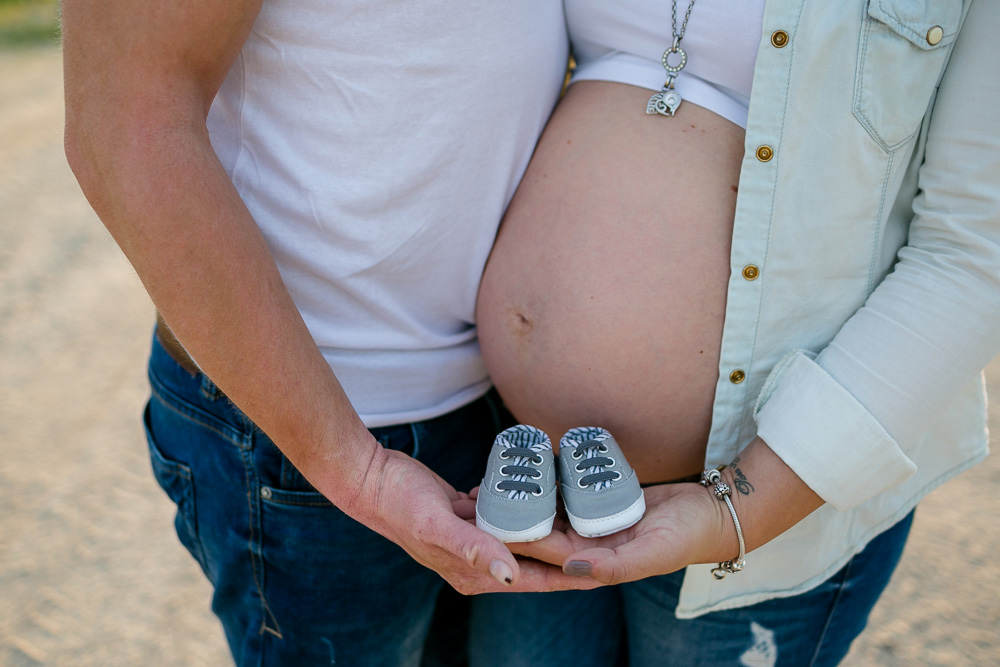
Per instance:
{"type": "Point", "coordinates": [532, 534]}
{"type": "Point", "coordinates": [607, 525]}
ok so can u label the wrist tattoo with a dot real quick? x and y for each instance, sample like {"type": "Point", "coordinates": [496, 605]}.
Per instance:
{"type": "Point", "coordinates": [740, 480]}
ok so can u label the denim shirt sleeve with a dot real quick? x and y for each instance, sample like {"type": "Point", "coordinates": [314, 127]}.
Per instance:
{"type": "Point", "coordinates": [845, 419]}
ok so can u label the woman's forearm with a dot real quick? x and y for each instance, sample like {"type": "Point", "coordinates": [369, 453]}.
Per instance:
{"type": "Point", "coordinates": [769, 498]}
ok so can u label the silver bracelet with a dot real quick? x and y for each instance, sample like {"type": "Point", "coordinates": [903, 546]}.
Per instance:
{"type": "Point", "coordinates": [711, 477]}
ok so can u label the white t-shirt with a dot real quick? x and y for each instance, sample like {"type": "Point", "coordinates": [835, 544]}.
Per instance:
{"type": "Point", "coordinates": [624, 42]}
{"type": "Point", "coordinates": [377, 145]}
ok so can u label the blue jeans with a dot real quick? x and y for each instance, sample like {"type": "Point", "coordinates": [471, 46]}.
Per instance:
{"type": "Point", "coordinates": [296, 581]}
{"type": "Point", "coordinates": [634, 624]}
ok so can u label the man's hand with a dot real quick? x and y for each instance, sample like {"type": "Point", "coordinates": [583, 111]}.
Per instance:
{"type": "Point", "coordinates": [409, 504]}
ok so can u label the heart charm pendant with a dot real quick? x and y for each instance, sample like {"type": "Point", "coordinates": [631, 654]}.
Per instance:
{"type": "Point", "coordinates": [664, 102]}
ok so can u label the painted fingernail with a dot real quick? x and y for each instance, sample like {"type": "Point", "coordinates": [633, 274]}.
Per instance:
{"type": "Point", "coordinates": [578, 568]}
{"type": "Point", "coordinates": [501, 572]}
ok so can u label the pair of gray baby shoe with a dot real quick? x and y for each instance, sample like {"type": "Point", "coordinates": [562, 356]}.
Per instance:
{"type": "Point", "coordinates": [517, 498]}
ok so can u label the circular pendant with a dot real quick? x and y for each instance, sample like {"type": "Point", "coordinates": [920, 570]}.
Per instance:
{"type": "Point", "coordinates": [674, 69]}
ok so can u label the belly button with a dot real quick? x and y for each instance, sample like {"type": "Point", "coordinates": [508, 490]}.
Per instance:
{"type": "Point", "coordinates": [521, 325]}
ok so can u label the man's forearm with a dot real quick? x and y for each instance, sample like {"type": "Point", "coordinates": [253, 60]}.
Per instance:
{"type": "Point", "coordinates": [173, 210]}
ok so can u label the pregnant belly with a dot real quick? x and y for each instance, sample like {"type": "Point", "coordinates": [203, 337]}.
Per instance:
{"type": "Point", "coordinates": [603, 301]}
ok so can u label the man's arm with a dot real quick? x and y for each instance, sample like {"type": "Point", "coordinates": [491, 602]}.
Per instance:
{"type": "Point", "coordinates": [140, 79]}
{"type": "Point", "coordinates": [139, 82]}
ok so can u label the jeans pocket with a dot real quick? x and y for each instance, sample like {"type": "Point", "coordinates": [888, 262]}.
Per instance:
{"type": "Point", "coordinates": [901, 56]}
{"type": "Point", "coordinates": [283, 483]}
{"type": "Point", "coordinates": [177, 481]}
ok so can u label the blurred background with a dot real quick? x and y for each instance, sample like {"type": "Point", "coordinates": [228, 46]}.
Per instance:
{"type": "Point", "coordinates": [91, 572]}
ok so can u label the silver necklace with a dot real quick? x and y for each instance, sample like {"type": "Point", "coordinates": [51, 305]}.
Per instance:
{"type": "Point", "coordinates": [667, 100]}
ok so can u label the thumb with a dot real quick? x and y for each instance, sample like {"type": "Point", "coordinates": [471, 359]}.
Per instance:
{"type": "Point", "coordinates": [484, 552]}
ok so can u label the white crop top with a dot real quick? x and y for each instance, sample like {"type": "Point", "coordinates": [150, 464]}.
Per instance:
{"type": "Point", "coordinates": [377, 145]}
{"type": "Point", "coordinates": [624, 41]}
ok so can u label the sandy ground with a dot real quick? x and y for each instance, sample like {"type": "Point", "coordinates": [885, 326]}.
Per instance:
{"type": "Point", "coordinates": [90, 570]}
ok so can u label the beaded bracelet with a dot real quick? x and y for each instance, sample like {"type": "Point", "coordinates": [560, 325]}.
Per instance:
{"type": "Point", "coordinates": [722, 491]}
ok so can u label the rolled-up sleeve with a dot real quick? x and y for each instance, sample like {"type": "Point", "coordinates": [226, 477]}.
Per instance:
{"type": "Point", "coordinates": [844, 420]}
{"type": "Point", "coordinates": [826, 436]}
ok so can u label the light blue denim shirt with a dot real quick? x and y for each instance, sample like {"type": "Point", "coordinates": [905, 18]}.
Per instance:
{"type": "Point", "coordinates": [865, 291]}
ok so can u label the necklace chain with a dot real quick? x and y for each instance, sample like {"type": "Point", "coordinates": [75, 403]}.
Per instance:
{"type": "Point", "coordinates": [684, 24]}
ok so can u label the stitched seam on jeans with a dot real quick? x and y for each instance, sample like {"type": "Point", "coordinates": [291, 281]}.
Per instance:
{"type": "Point", "coordinates": [833, 608]}
{"type": "Point", "coordinates": [164, 466]}
{"type": "Point", "coordinates": [256, 560]}
{"type": "Point", "coordinates": [300, 504]}
{"type": "Point", "coordinates": [169, 466]}
{"type": "Point", "coordinates": [194, 419]}
{"type": "Point", "coordinates": [178, 405]}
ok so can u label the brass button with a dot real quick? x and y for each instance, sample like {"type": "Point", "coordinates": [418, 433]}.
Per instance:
{"type": "Point", "coordinates": [764, 153]}
{"type": "Point", "coordinates": [934, 35]}
{"type": "Point", "coordinates": [750, 272]}
{"type": "Point", "coordinates": [737, 376]}
{"type": "Point", "coordinates": [779, 38]}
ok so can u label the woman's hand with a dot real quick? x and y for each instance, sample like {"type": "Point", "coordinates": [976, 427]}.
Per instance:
{"type": "Point", "coordinates": [683, 524]}
{"type": "Point", "coordinates": [686, 524]}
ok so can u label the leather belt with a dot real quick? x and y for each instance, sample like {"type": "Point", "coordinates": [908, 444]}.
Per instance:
{"type": "Point", "coordinates": [174, 348]}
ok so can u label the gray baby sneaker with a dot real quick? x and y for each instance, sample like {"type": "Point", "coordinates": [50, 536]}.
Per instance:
{"type": "Point", "coordinates": [517, 499]}
{"type": "Point", "coordinates": [599, 489]}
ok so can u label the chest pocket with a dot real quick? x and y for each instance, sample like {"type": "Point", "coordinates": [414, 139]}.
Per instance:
{"type": "Point", "coordinates": [903, 50]}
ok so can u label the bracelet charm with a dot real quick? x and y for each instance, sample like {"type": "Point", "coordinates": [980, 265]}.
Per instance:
{"type": "Point", "coordinates": [712, 477]}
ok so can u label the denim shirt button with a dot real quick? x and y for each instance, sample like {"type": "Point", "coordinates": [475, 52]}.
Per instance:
{"type": "Point", "coordinates": [737, 376]}
{"type": "Point", "coordinates": [265, 493]}
{"type": "Point", "coordinates": [765, 153]}
{"type": "Point", "coordinates": [935, 35]}
{"type": "Point", "coordinates": [779, 38]}
{"type": "Point", "coordinates": [750, 272]}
